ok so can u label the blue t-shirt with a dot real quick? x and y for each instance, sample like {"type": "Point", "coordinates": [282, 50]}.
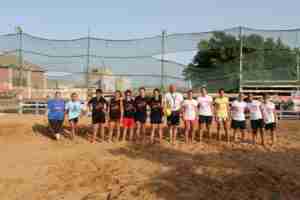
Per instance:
{"type": "Point", "coordinates": [56, 109]}
{"type": "Point", "coordinates": [74, 109]}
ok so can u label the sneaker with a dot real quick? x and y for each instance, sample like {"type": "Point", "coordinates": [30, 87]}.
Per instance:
{"type": "Point", "coordinates": [57, 136]}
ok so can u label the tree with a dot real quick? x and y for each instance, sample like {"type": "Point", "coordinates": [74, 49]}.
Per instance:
{"type": "Point", "coordinates": [216, 64]}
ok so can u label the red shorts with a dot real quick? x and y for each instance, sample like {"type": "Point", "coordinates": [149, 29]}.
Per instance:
{"type": "Point", "coordinates": [128, 122]}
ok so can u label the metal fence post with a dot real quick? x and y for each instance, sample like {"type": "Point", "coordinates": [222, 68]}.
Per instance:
{"type": "Point", "coordinates": [37, 111]}
{"type": "Point", "coordinates": [20, 107]}
{"type": "Point", "coordinates": [88, 64]}
{"type": "Point", "coordinates": [297, 58]}
{"type": "Point", "coordinates": [162, 59]}
{"type": "Point", "coordinates": [241, 61]}
{"type": "Point", "coordinates": [20, 56]}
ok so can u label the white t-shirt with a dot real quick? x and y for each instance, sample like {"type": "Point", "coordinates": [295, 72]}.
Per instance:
{"type": "Point", "coordinates": [238, 110]}
{"type": "Point", "coordinates": [205, 105]}
{"type": "Point", "coordinates": [254, 110]}
{"type": "Point", "coordinates": [268, 112]}
{"type": "Point", "coordinates": [190, 109]}
{"type": "Point", "coordinates": [174, 100]}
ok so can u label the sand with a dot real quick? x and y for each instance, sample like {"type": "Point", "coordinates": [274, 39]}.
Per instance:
{"type": "Point", "coordinates": [35, 167]}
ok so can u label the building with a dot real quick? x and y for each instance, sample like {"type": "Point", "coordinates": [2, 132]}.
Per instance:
{"type": "Point", "coordinates": [103, 78]}
{"type": "Point", "coordinates": [11, 77]}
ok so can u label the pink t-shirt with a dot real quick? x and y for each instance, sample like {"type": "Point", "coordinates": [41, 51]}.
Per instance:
{"type": "Point", "coordinates": [190, 109]}
{"type": "Point", "coordinates": [205, 105]}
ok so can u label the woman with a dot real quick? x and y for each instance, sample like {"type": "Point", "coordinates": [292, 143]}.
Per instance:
{"type": "Point", "coordinates": [55, 113]}
{"type": "Point", "coordinates": [98, 106]}
{"type": "Point", "coordinates": [156, 105]}
{"type": "Point", "coordinates": [74, 109]}
{"type": "Point", "coordinates": [115, 114]}
{"type": "Point", "coordinates": [129, 113]}
{"type": "Point", "coordinates": [189, 110]}
{"type": "Point", "coordinates": [141, 114]}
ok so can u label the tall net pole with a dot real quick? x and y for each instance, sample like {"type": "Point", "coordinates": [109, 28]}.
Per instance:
{"type": "Point", "coordinates": [163, 34]}
{"type": "Point", "coordinates": [241, 61]}
{"type": "Point", "coordinates": [298, 59]}
{"type": "Point", "coordinates": [88, 62]}
{"type": "Point", "coordinates": [20, 56]}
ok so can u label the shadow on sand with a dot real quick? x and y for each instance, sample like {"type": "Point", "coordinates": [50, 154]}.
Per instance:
{"type": "Point", "coordinates": [233, 173]}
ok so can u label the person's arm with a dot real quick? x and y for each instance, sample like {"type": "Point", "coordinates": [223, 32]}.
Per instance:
{"type": "Point", "coordinates": [228, 109]}
{"type": "Point", "coordinates": [261, 110]}
{"type": "Point", "coordinates": [122, 108]}
{"type": "Point", "coordinates": [106, 106]}
{"type": "Point", "coordinates": [196, 109]}
{"type": "Point", "coordinates": [89, 105]}
{"type": "Point", "coordinates": [82, 109]}
{"type": "Point", "coordinates": [182, 110]}
{"type": "Point", "coordinates": [275, 115]}
{"type": "Point", "coordinates": [212, 107]}
{"type": "Point", "coordinates": [108, 109]}
{"type": "Point", "coordinates": [47, 109]}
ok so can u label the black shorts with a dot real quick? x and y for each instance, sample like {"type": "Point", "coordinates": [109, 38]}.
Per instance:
{"type": "Point", "coordinates": [257, 124]}
{"type": "Point", "coordinates": [205, 119]}
{"type": "Point", "coordinates": [98, 118]}
{"type": "Point", "coordinates": [56, 125]}
{"type": "Point", "coordinates": [140, 117]}
{"type": "Point", "coordinates": [156, 117]}
{"type": "Point", "coordinates": [238, 124]}
{"type": "Point", "coordinates": [74, 120]}
{"type": "Point", "coordinates": [115, 116]}
{"type": "Point", "coordinates": [270, 126]}
{"type": "Point", "coordinates": [174, 118]}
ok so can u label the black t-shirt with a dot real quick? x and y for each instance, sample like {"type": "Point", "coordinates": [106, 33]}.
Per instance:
{"type": "Point", "coordinates": [156, 105]}
{"type": "Point", "coordinates": [129, 108]}
{"type": "Point", "coordinates": [115, 107]}
{"type": "Point", "coordinates": [98, 105]}
{"type": "Point", "coordinates": [140, 104]}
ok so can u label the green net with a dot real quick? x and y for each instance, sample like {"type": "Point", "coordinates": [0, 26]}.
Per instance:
{"type": "Point", "coordinates": [227, 58]}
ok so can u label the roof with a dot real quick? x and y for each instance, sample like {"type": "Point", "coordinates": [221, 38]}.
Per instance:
{"type": "Point", "coordinates": [11, 61]}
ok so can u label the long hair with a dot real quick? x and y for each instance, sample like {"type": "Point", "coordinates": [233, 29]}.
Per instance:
{"type": "Point", "coordinates": [159, 94]}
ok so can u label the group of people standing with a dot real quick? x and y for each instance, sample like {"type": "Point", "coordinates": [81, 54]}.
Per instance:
{"type": "Point", "coordinates": [132, 113]}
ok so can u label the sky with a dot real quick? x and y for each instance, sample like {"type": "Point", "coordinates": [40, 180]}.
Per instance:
{"type": "Point", "coordinates": [64, 19]}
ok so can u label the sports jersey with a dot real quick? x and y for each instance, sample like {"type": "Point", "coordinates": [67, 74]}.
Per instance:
{"type": "Point", "coordinates": [129, 109]}
{"type": "Point", "coordinates": [174, 100]}
{"type": "Point", "coordinates": [268, 112]}
{"type": "Point", "coordinates": [74, 109]}
{"type": "Point", "coordinates": [204, 105]}
{"type": "Point", "coordinates": [98, 104]}
{"type": "Point", "coordinates": [115, 108]}
{"type": "Point", "coordinates": [56, 109]}
{"type": "Point", "coordinates": [155, 105]}
{"type": "Point", "coordinates": [254, 110]}
{"type": "Point", "coordinates": [140, 104]}
{"type": "Point", "coordinates": [222, 107]}
{"type": "Point", "coordinates": [238, 109]}
{"type": "Point", "coordinates": [190, 109]}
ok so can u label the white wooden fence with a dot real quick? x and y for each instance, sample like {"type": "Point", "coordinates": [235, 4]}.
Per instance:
{"type": "Point", "coordinates": [39, 107]}
{"type": "Point", "coordinates": [288, 115]}
{"type": "Point", "coordinates": [36, 107]}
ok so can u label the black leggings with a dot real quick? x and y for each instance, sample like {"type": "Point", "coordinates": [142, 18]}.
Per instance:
{"type": "Point", "coordinates": [56, 125]}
